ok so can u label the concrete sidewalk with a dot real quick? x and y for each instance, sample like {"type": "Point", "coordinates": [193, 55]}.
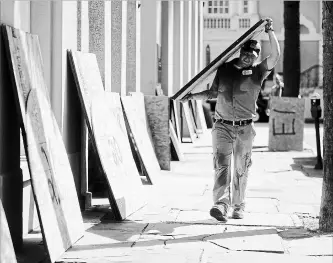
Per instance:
{"type": "Point", "coordinates": [280, 224]}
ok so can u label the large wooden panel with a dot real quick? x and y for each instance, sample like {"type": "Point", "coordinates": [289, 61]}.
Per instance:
{"type": "Point", "coordinates": [115, 153]}
{"type": "Point", "coordinates": [222, 58]}
{"type": "Point", "coordinates": [7, 253]}
{"type": "Point", "coordinates": [52, 178]}
{"type": "Point", "coordinates": [157, 110]}
{"type": "Point", "coordinates": [107, 131]}
{"type": "Point", "coordinates": [286, 124]}
{"type": "Point", "coordinates": [137, 121]}
{"type": "Point", "coordinates": [51, 175]}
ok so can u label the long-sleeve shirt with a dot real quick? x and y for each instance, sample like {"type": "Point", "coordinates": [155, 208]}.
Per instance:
{"type": "Point", "coordinates": [238, 90]}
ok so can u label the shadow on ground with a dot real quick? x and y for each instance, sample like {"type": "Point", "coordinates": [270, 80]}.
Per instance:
{"type": "Point", "coordinates": [306, 166]}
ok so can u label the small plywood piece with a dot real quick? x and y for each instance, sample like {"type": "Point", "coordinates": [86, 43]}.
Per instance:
{"type": "Point", "coordinates": [52, 178]}
{"type": "Point", "coordinates": [193, 84]}
{"type": "Point", "coordinates": [51, 175]}
{"type": "Point", "coordinates": [176, 143]}
{"type": "Point", "coordinates": [286, 124]}
{"type": "Point", "coordinates": [136, 117]}
{"type": "Point", "coordinates": [157, 110]}
{"type": "Point", "coordinates": [201, 116]}
{"type": "Point", "coordinates": [107, 130]}
{"type": "Point", "coordinates": [189, 121]}
{"type": "Point", "coordinates": [175, 116]}
{"type": "Point", "coordinates": [115, 153]}
{"type": "Point", "coordinates": [7, 253]}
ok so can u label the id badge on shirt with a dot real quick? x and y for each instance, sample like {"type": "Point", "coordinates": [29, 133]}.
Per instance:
{"type": "Point", "coordinates": [247, 72]}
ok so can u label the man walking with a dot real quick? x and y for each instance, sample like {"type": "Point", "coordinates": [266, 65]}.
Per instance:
{"type": "Point", "coordinates": [236, 86]}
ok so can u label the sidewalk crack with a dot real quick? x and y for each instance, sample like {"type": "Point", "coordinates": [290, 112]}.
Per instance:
{"type": "Point", "coordinates": [142, 231]}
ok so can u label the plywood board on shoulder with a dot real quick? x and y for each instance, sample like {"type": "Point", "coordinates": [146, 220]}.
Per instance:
{"type": "Point", "coordinates": [135, 115]}
{"type": "Point", "coordinates": [7, 253]}
{"type": "Point", "coordinates": [191, 86]}
{"type": "Point", "coordinates": [106, 126]}
{"type": "Point", "coordinates": [51, 175]}
{"type": "Point", "coordinates": [157, 110]}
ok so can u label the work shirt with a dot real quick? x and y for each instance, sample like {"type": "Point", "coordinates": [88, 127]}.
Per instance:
{"type": "Point", "coordinates": [238, 90]}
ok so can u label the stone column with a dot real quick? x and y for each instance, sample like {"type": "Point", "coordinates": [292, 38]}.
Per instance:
{"type": "Point", "coordinates": [16, 14]}
{"type": "Point", "coordinates": [178, 47]}
{"type": "Point", "coordinates": [64, 100]}
{"type": "Point", "coordinates": [187, 41]}
{"type": "Point", "coordinates": [148, 63]}
{"type": "Point", "coordinates": [167, 47]}
{"type": "Point", "coordinates": [131, 47]}
{"type": "Point", "coordinates": [195, 37]}
{"type": "Point", "coordinates": [138, 45]}
{"type": "Point", "coordinates": [200, 38]}
{"type": "Point", "coordinates": [100, 37]}
{"type": "Point", "coordinates": [83, 45]}
{"type": "Point", "coordinates": [118, 46]}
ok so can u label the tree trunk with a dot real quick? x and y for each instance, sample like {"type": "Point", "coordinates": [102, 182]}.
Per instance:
{"type": "Point", "coordinates": [291, 54]}
{"type": "Point", "coordinates": [326, 209]}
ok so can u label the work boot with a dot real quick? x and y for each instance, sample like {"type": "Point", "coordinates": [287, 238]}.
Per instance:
{"type": "Point", "coordinates": [220, 212]}
{"type": "Point", "coordinates": [238, 212]}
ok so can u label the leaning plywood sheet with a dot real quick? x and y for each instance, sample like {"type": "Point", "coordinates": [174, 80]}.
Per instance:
{"type": "Point", "coordinates": [201, 116]}
{"type": "Point", "coordinates": [223, 57]}
{"type": "Point", "coordinates": [52, 179]}
{"type": "Point", "coordinates": [175, 143]}
{"type": "Point", "coordinates": [106, 129]}
{"type": "Point", "coordinates": [136, 117]}
{"type": "Point", "coordinates": [7, 253]}
{"type": "Point", "coordinates": [157, 110]}
{"type": "Point", "coordinates": [115, 153]}
{"type": "Point", "coordinates": [189, 122]}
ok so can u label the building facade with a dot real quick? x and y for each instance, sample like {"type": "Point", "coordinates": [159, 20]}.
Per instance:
{"type": "Point", "coordinates": [225, 21]}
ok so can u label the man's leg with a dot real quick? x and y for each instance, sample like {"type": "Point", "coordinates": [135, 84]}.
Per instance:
{"type": "Point", "coordinates": [242, 163]}
{"type": "Point", "coordinates": [223, 137]}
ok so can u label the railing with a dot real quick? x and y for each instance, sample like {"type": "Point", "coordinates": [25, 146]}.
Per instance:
{"type": "Point", "coordinates": [217, 23]}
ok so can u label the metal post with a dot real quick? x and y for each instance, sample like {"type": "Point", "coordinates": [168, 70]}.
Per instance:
{"type": "Point", "coordinates": [319, 164]}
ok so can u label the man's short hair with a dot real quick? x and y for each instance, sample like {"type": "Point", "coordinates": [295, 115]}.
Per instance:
{"type": "Point", "coordinates": [252, 46]}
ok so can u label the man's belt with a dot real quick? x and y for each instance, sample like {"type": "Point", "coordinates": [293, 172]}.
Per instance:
{"type": "Point", "coordinates": [236, 123]}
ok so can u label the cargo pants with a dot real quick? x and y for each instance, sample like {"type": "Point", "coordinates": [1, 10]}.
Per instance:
{"type": "Point", "coordinates": [231, 141]}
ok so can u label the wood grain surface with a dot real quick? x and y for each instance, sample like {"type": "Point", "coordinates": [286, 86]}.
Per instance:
{"type": "Point", "coordinates": [51, 176]}
{"type": "Point", "coordinates": [115, 153]}
{"type": "Point", "coordinates": [137, 121]}
{"type": "Point", "coordinates": [7, 253]}
{"type": "Point", "coordinates": [157, 110]}
{"type": "Point", "coordinates": [106, 127]}
{"type": "Point", "coordinates": [254, 31]}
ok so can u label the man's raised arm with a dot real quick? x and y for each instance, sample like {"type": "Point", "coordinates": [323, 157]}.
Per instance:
{"type": "Point", "coordinates": [273, 58]}
{"type": "Point", "coordinates": [206, 94]}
